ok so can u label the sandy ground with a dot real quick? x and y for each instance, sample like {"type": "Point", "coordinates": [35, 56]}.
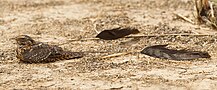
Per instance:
{"type": "Point", "coordinates": [59, 21]}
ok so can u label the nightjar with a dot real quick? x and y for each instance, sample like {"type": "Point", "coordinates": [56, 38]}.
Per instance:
{"type": "Point", "coordinates": [30, 51]}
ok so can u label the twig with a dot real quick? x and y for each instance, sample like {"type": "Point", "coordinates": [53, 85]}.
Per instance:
{"type": "Point", "coordinates": [115, 55]}
{"type": "Point", "coordinates": [203, 8]}
{"type": "Point", "coordinates": [162, 35]}
{"type": "Point", "coordinates": [151, 35]}
{"type": "Point", "coordinates": [139, 36]}
{"type": "Point", "coordinates": [213, 19]}
{"type": "Point", "coordinates": [184, 18]}
{"type": "Point", "coordinates": [208, 22]}
{"type": "Point", "coordinates": [197, 8]}
{"type": "Point", "coordinates": [84, 39]}
{"type": "Point", "coordinates": [118, 54]}
{"type": "Point", "coordinates": [94, 27]}
{"type": "Point", "coordinates": [212, 11]}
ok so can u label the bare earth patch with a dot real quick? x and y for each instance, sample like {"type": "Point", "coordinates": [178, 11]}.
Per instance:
{"type": "Point", "coordinates": [61, 22]}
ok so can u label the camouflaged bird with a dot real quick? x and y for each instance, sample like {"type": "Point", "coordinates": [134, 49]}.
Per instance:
{"type": "Point", "coordinates": [160, 51]}
{"type": "Point", "coordinates": [116, 33]}
{"type": "Point", "coordinates": [30, 51]}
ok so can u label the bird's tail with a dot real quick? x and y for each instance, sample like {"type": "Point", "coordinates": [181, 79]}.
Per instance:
{"type": "Point", "coordinates": [71, 55]}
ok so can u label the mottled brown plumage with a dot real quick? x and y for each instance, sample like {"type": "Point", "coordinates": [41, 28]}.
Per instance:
{"type": "Point", "coordinates": [30, 51]}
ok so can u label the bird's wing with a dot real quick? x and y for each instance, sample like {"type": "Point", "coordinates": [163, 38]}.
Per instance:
{"type": "Point", "coordinates": [37, 53]}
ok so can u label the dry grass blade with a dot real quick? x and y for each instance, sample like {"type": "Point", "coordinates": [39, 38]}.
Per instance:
{"type": "Point", "coordinates": [138, 36]}
{"type": "Point", "coordinates": [197, 8]}
{"type": "Point", "coordinates": [84, 39]}
{"type": "Point", "coordinates": [151, 35]}
{"type": "Point", "coordinates": [118, 54]}
{"type": "Point", "coordinates": [115, 55]}
{"type": "Point", "coordinates": [184, 18]}
{"type": "Point", "coordinates": [74, 40]}
{"type": "Point", "coordinates": [163, 35]}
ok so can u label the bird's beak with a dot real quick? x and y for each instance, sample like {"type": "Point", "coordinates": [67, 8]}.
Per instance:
{"type": "Point", "coordinates": [12, 39]}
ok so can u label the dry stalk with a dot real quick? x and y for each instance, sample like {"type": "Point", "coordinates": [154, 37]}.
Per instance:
{"type": "Point", "coordinates": [206, 12]}
{"type": "Point", "coordinates": [139, 36]}
{"type": "Point", "coordinates": [118, 54]}
{"type": "Point", "coordinates": [184, 18]}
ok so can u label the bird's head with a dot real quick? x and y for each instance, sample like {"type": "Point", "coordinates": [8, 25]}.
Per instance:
{"type": "Point", "coordinates": [24, 40]}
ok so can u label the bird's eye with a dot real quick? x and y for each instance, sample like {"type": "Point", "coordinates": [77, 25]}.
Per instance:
{"type": "Point", "coordinates": [22, 38]}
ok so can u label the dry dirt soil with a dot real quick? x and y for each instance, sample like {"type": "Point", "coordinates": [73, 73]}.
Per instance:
{"type": "Point", "coordinates": [71, 23]}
